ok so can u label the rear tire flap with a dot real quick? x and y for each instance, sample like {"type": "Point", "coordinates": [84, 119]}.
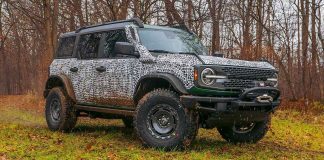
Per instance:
{"type": "Point", "coordinates": [186, 128]}
{"type": "Point", "coordinates": [258, 131]}
{"type": "Point", "coordinates": [68, 116]}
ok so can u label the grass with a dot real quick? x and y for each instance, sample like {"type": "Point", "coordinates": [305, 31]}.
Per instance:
{"type": "Point", "coordinates": [24, 135]}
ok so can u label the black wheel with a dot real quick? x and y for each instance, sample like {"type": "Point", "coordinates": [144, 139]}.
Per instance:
{"type": "Point", "coordinates": [246, 132]}
{"type": "Point", "coordinates": [161, 121]}
{"type": "Point", "coordinates": [128, 122]}
{"type": "Point", "coordinates": [59, 112]}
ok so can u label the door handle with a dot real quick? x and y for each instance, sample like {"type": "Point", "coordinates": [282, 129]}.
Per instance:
{"type": "Point", "coordinates": [74, 69]}
{"type": "Point", "coordinates": [101, 69]}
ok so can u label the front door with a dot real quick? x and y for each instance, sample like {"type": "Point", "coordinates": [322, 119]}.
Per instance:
{"type": "Point", "coordinates": [113, 76]}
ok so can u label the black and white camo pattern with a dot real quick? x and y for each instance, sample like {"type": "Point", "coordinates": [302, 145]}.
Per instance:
{"type": "Point", "coordinates": [235, 62]}
{"type": "Point", "coordinates": [122, 75]}
{"type": "Point", "coordinates": [145, 55]}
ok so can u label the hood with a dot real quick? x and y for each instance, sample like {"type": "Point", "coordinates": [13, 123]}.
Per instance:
{"type": "Point", "coordinates": [235, 62]}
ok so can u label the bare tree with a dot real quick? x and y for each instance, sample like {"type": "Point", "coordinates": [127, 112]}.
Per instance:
{"type": "Point", "coordinates": [286, 33]}
{"type": "Point", "coordinates": [215, 8]}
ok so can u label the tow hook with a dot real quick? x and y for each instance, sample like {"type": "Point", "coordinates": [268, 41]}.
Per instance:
{"type": "Point", "coordinates": [264, 99]}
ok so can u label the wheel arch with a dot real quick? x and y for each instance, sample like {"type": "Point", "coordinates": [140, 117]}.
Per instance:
{"type": "Point", "coordinates": [60, 80]}
{"type": "Point", "coordinates": [153, 81]}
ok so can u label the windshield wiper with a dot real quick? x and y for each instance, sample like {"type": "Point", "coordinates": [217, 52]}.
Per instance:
{"type": "Point", "coordinates": [194, 54]}
{"type": "Point", "coordinates": [161, 51]}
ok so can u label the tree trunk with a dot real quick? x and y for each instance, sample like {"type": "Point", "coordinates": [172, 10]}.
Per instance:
{"type": "Point", "coordinates": [259, 30]}
{"type": "Point", "coordinates": [122, 11]}
{"type": "Point", "coordinates": [4, 58]}
{"type": "Point", "coordinates": [299, 66]}
{"type": "Point", "coordinates": [215, 13]}
{"type": "Point", "coordinates": [247, 42]}
{"type": "Point", "coordinates": [314, 72]}
{"type": "Point", "coordinates": [190, 10]}
{"type": "Point", "coordinates": [171, 11]}
{"type": "Point", "coordinates": [78, 8]}
{"type": "Point", "coordinates": [305, 22]}
{"type": "Point", "coordinates": [321, 77]}
{"type": "Point", "coordinates": [54, 26]}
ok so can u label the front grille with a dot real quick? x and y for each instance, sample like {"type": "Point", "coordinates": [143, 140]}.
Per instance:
{"type": "Point", "coordinates": [247, 73]}
{"type": "Point", "coordinates": [239, 83]}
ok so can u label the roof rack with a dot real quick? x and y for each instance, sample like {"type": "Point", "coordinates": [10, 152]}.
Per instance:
{"type": "Point", "coordinates": [136, 21]}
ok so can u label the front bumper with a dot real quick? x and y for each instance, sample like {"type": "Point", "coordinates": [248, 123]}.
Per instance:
{"type": "Point", "coordinates": [245, 108]}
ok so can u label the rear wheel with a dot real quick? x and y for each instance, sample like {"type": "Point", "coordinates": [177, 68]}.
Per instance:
{"type": "Point", "coordinates": [59, 112]}
{"type": "Point", "coordinates": [161, 121]}
{"type": "Point", "coordinates": [245, 132]}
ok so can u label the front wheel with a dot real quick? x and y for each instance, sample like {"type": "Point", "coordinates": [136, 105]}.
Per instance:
{"type": "Point", "coordinates": [246, 132]}
{"type": "Point", "coordinates": [161, 121]}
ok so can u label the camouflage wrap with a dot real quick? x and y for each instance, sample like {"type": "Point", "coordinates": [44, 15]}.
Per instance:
{"type": "Point", "coordinates": [122, 75]}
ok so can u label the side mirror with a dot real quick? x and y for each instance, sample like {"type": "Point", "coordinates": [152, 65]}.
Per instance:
{"type": "Point", "coordinates": [125, 48]}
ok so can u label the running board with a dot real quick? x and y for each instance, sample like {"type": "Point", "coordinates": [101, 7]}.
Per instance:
{"type": "Point", "coordinates": [105, 110]}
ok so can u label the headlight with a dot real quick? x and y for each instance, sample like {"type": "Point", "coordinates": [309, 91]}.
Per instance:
{"type": "Point", "coordinates": [274, 80]}
{"type": "Point", "coordinates": [206, 76]}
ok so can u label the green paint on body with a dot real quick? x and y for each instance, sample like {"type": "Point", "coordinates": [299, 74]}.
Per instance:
{"type": "Point", "coordinates": [212, 92]}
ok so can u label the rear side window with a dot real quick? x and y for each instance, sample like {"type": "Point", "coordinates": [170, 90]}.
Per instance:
{"type": "Point", "coordinates": [65, 48]}
{"type": "Point", "coordinates": [88, 46]}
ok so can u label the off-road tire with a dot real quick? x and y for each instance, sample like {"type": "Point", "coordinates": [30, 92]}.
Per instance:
{"type": "Point", "coordinates": [187, 123]}
{"type": "Point", "coordinates": [67, 114]}
{"type": "Point", "coordinates": [128, 122]}
{"type": "Point", "coordinates": [256, 134]}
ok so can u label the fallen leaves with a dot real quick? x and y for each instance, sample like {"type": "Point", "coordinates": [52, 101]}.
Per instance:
{"type": "Point", "coordinates": [89, 146]}
{"type": "Point", "coordinates": [292, 135]}
{"type": "Point", "coordinates": [3, 156]}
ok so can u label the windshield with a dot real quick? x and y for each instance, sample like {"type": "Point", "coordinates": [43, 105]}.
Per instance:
{"type": "Point", "coordinates": [168, 41]}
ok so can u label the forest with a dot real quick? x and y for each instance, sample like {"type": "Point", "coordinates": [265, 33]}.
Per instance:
{"type": "Point", "coordinates": [287, 33]}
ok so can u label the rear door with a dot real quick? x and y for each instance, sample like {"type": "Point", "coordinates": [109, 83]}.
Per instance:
{"type": "Point", "coordinates": [83, 70]}
{"type": "Point", "coordinates": [64, 59]}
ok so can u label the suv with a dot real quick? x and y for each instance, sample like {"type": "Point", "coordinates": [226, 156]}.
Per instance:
{"type": "Point", "coordinates": [160, 81]}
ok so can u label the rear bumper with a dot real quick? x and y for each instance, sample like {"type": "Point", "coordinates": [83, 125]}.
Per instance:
{"type": "Point", "coordinates": [247, 107]}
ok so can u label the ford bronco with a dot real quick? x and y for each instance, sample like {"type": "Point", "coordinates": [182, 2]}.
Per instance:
{"type": "Point", "coordinates": [160, 81]}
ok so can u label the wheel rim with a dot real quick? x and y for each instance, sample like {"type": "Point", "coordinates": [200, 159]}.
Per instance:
{"type": "Point", "coordinates": [243, 128]}
{"type": "Point", "coordinates": [162, 121]}
{"type": "Point", "coordinates": [55, 109]}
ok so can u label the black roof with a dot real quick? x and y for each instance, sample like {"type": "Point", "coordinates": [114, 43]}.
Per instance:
{"type": "Point", "coordinates": [136, 21]}
{"type": "Point", "coordinates": [117, 25]}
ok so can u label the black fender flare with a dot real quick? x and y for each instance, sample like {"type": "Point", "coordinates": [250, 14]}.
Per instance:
{"type": "Point", "coordinates": [172, 79]}
{"type": "Point", "coordinates": [64, 82]}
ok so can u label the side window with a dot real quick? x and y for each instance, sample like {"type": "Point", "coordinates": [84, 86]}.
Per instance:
{"type": "Point", "coordinates": [88, 46]}
{"type": "Point", "coordinates": [65, 47]}
{"type": "Point", "coordinates": [110, 40]}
